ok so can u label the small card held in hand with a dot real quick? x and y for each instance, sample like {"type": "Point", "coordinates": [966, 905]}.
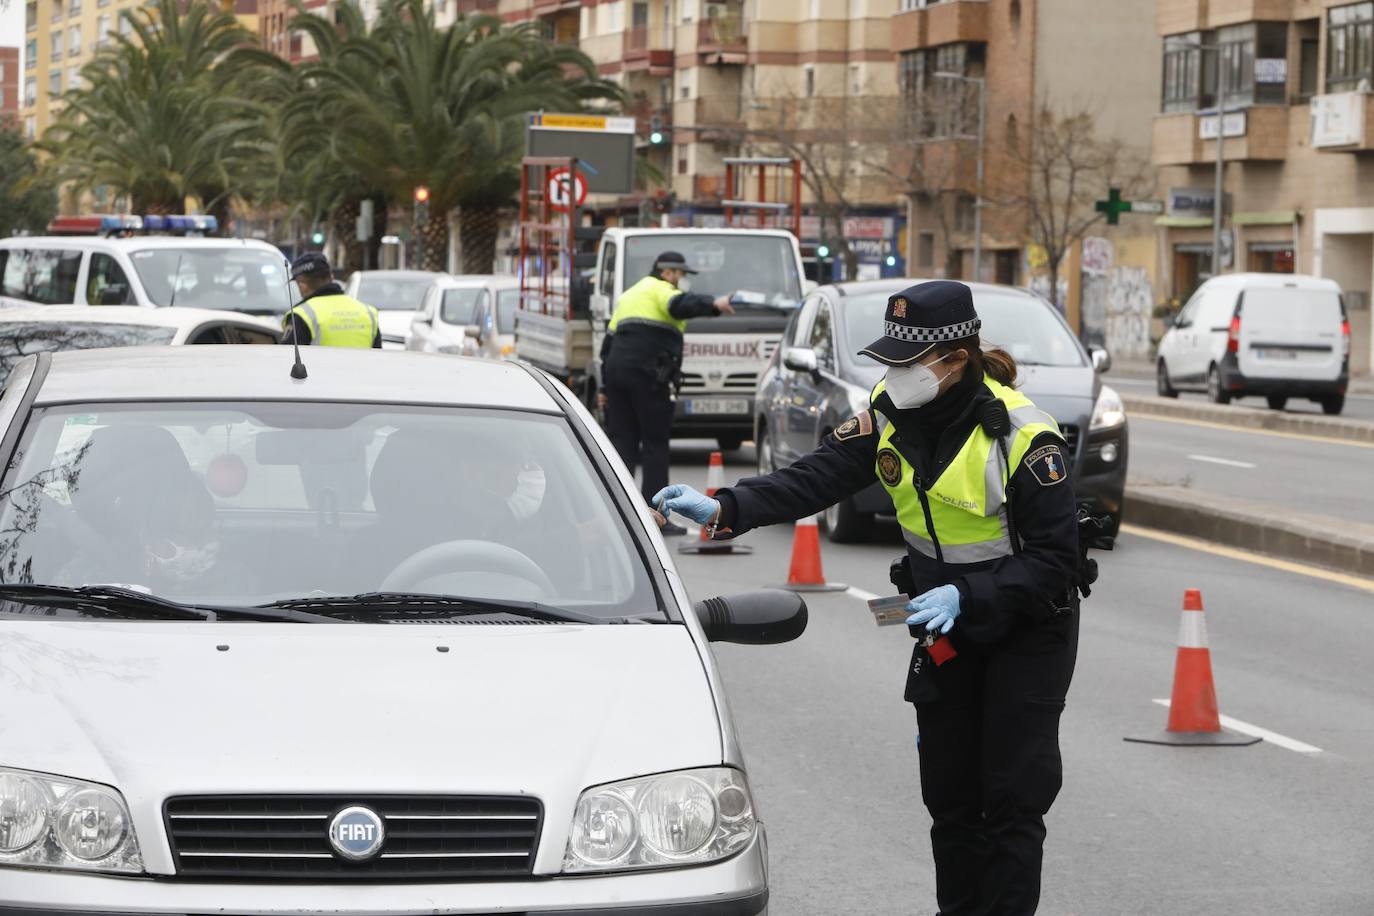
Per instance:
{"type": "Point", "coordinates": [889, 611]}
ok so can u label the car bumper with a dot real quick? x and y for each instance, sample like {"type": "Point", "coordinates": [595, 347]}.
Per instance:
{"type": "Point", "coordinates": [1238, 383]}
{"type": "Point", "coordinates": [1101, 484]}
{"type": "Point", "coordinates": [735, 887]}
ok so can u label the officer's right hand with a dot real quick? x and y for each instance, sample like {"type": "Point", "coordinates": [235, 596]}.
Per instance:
{"type": "Point", "coordinates": [723, 306]}
{"type": "Point", "coordinates": [687, 502]}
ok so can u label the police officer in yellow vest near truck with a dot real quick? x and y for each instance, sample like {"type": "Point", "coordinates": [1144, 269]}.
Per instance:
{"type": "Point", "coordinates": [979, 479]}
{"type": "Point", "coordinates": [640, 361]}
{"type": "Point", "coordinates": [325, 316]}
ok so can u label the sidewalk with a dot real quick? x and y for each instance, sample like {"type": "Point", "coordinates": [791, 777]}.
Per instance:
{"type": "Point", "coordinates": [1139, 367]}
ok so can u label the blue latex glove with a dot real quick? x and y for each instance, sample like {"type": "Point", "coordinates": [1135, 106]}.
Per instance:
{"type": "Point", "coordinates": [937, 609]}
{"type": "Point", "coordinates": [687, 502]}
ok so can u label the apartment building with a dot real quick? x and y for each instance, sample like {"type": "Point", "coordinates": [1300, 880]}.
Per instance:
{"type": "Point", "coordinates": [10, 81]}
{"type": "Point", "coordinates": [1065, 55]}
{"type": "Point", "coordinates": [1293, 78]}
{"type": "Point", "coordinates": [62, 35]}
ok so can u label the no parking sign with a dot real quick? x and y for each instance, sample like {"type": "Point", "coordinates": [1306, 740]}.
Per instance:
{"type": "Point", "coordinates": [566, 190]}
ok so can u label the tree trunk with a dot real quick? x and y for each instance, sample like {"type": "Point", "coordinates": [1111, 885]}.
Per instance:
{"type": "Point", "coordinates": [431, 242]}
{"type": "Point", "coordinates": [478, 228]}
{"type": "Point", "coordinates": [374, 244]}
{"type": "Point", "coordinates": [344, 221]}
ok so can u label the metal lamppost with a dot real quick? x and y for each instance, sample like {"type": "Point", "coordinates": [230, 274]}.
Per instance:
{"type": "Point", "coordinates": [1221, 150]}
{"type": "Point", "coordinates": [982, 85]}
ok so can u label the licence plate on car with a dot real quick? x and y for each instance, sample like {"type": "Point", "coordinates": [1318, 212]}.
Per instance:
{"type": "Point", "coordinates": [698, 406]}
{"type": "Point", "coordinates": [1274, 353]}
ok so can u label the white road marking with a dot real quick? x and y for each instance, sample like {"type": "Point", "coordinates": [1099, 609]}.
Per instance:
{"type": "Point", "coordinates": [1245, 728]}
{"type": "Point", "coordinates": [1226, 461]}
{"type": "Point", "coordinates": [860, 594]}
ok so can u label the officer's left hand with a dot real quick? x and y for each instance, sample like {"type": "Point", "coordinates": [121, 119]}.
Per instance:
{"type": "Point", "coordinates": [937, 609]}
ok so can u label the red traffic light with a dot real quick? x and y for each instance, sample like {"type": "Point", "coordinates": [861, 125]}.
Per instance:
{"type": "Point", "coordinates": [421, 194]}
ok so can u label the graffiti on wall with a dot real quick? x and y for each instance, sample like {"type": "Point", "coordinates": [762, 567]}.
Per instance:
{"type": "Point", "coordinates": [1130, 303]}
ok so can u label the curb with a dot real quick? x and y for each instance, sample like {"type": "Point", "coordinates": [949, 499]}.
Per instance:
{"type": "Point", "coordinates": [1250, 418]}
{"type": "Point", "coordinates": [1335, 544]}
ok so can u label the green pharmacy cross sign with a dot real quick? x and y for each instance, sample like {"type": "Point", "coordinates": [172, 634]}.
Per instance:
{"type": "Point", "coordinates": [1114, 206]}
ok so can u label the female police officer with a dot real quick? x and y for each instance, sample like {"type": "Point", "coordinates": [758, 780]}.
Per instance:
{"type": "Point", "coordinates": [979, 479]}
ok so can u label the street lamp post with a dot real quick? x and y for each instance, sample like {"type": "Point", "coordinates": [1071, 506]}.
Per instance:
{"type": "Point", "coordinates": [1221, 150]}
{"type": "Point", "coordinates": [982, 85]}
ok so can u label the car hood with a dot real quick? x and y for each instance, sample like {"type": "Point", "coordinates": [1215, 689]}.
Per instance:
{"type": "Point", "coordinates": [159, 709]}
{"type": "Point", "coordinates": [1058, 382]}
{"type": "Point", "coordinates": [395, 322]}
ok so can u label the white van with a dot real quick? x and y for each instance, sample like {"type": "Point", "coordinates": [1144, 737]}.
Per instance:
{"type": "Point", "coordinates": [237, 275]}
{"type": "Point", "coordinates": [1280, 336]}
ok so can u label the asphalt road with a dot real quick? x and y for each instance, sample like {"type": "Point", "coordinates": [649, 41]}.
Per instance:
{"type": "Point", "coordinates": [1138, 829]}
{"type": "Point", "coordinates": [1305, 475]}
{"type": "Point", "coordinates": [1357, 406]}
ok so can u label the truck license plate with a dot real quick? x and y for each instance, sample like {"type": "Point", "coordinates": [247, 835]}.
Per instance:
{"type": "Point", "coordinates": [697, 406]}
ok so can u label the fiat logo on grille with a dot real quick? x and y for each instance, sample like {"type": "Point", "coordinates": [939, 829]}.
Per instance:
{"type": "Point", "coordinates": [357, 833]}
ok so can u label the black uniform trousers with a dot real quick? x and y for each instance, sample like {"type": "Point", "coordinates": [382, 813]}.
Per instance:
{"type": "Point", "coordinates": [991, 768]}
{"type": "Point", "coordinates": [639, 422]}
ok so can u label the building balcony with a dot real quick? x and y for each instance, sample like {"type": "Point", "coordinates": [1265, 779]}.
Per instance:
{"type": "Point", "coordinates": [1255, 134]}
{"type": "Point", "coordinates": [1343, 122]}
{"type": "Point", "coordinates": [718, 118]}
{"type": "Point", "coordinates": [941, 24]}
{"type": "Point", "coordinates": [545, 7]}
{"type": "Point", "coordinates": [723, 39]}
{"type": "Point", "coordinates": [639, 53]}
{"type": "Point", "coordinates": [1174, 17]}
{"type": "Point", "coordinates": [478, 6]}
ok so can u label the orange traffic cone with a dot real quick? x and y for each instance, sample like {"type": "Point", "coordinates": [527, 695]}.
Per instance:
{"type": "Point", "coordinates": [806, 574]}
{"type": "Point", "coordinates": [715, 479]}
{"type": "Point", "coordinates": [1193, 715]}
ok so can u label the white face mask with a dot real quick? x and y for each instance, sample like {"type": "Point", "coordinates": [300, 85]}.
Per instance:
{"type": "Point", "coordinates": [529, 492]}
{"type": "Point", "coordinates": [914, 385]}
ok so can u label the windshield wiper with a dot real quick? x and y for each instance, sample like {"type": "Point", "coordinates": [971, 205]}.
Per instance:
{"type": "Point", "coordinates": [424, 605]}
{"type": "Point", "coordinates": [118, 601]}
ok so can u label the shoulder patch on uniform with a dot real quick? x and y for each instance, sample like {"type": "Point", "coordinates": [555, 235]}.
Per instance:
{"type": "Point", "coordinates": [889, 467]}
{"type": "Point", "coordinates": [1047, 464]}
{"type": "Point", "coordinates": [860, 425]}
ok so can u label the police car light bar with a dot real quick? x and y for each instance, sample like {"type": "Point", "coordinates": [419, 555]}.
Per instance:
{"type": "Point", "coordinates": [108, 224]}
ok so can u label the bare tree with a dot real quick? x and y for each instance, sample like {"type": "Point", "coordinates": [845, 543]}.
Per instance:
{"type": "Point", "coordinates": [1062, 168]}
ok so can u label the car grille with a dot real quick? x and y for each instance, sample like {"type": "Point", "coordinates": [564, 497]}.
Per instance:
{"type": "Point", "coordinates": [735, 381]}
{"type": "Point", "coordinates": [285, 837]}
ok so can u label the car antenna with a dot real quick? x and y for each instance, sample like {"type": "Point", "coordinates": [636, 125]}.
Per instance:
{"type": "Point", "coordinates": [176, 280]}
{"type": "Point", "coordinates": [297, 368]}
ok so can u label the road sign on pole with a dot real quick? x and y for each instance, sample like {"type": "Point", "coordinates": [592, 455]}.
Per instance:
{"type": "Point", "coordinates": [566, 190]}
{"type": "Point", "coordinates": [1114, 206]}
{"type": "Point", "coordinates": [1147, 206]}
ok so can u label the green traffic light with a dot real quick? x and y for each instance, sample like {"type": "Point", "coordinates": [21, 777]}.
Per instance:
{"type": "Point", "coordinates": [317, 238]}
{"type": "Point", "coordinates": [822, 251]}
{"type": "Point", "coordinates": [891, 261]}
{"type": "Point", "coordinates": [656, 137]}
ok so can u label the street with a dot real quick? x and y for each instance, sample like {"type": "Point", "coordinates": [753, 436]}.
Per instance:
{"type": "Point", "coordinates": [1137, 828]}
{"type": "Point", "coordinates": [1357, 406]}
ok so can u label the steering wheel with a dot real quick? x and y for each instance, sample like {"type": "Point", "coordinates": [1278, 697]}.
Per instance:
{"type": "Point", "coordinates": [466, 556]}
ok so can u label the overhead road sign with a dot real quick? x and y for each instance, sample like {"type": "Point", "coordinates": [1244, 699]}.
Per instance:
{"type": "Point", "coordinates": [604, 147]}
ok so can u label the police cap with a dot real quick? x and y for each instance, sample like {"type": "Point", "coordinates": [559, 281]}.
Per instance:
{"type": "Point", "coordinates": [673, 260]}
{"type": "Point", "coordinates": [312, 262]}
{"type": "Point", "coordinates": [921, 317]}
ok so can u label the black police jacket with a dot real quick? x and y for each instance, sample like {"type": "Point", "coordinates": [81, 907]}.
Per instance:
{"type": "Point", "coordinates": [997, 595]}
{"type": "Point", "coordinates": [655, 349]}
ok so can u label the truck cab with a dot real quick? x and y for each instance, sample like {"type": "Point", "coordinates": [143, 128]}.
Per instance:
{"type": "Point", "coordinates": [724, 357]}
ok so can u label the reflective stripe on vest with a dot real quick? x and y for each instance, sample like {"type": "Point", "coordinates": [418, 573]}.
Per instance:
{"type": "Point", "coordinates": [338, 321]}
{"type": "Point", "coordinates": [647, 303]}
{"type": "Point", "coordinates": [968, 501]}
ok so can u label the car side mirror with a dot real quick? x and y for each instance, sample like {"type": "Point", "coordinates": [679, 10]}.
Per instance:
{"type": "Point", "coordinates": [113, 294]}
{"type": "Point", "coordinates": [766, 617]}
{"type": "Point", "coordinates": [1102, 360]}
{"type": "Point", "coordinates": [474, 333]}
{"type": "Point", "coordinates": [801, 359]}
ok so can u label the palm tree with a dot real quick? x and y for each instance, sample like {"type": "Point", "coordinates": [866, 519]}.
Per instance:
{"type": "Point", "coordinates": [166, 113]}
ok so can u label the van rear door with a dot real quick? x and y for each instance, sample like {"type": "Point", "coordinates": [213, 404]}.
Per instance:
{"type": "Point", "coordinates": [1290, 333]}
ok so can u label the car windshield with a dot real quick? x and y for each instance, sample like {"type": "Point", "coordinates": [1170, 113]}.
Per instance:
{"type": "Point", "coordinates": [244, 504]}
{"type": "Point", "coordinates": [1019, 323]}
{"type": "Point", "coordinates": [460, 305]}
{"type": "Point", "coordinates": [507, 301]}
{"type": "Point", "coordinates": [764, 266]}
{"type": "Point", "coordinates": [20, 338]}
{"type": "Point", "coordinates": [393, 294]}
{"type": "Point", "coordinates": [238, 279]}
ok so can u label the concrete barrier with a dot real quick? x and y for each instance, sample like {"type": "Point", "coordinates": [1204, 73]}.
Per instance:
{"type": "Point", "coordinates": [1250, 418]}
{"type": "Point", "coordinates": [1336, 544]}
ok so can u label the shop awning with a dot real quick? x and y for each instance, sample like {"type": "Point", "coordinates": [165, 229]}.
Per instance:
{"type": "Point", "coordinates": [1266, 218]}
{"type": "Point", "coordinates": [1184, 222]}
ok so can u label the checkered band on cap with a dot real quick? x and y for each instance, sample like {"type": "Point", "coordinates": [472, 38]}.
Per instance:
{"type": "Point", "coordinates": [932, 335]}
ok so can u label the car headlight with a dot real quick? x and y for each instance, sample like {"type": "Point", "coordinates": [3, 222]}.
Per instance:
{"type": "Point", "coordinates": [688, 817]}
{"type": "Point", "coordinates": [1108, 412]}
{"type": "Point", "coordinates": [55, 822]}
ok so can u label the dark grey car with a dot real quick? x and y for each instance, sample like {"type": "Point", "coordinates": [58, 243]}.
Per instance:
{"type": "Point", "coordinates": [816, 381]}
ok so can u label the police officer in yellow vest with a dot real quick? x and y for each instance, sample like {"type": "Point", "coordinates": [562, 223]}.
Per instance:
{"type": "Point", "coordinates": [641, 359]}
{"type": "Point", "coordinates": [325, 316]}
{"type": "Point", "coordinates": [979, 479]}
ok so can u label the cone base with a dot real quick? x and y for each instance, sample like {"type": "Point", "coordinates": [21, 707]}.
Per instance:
{"type": "Point", "coordinates": [818, 587]}
{"type": "Point", "coordinates": [1223, 738]}
{"type": "Point", "coordinates": [708, 547]}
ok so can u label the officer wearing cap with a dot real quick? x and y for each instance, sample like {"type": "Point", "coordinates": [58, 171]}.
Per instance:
{"type": "Point", "coordinates": [641, 358]}
{"type": "Point", "coordinates": [979, 479]}
{"type": "Point", "coordinates": [325, 316]}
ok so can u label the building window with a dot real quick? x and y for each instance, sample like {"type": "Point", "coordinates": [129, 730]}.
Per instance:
{"type": "Point", "coordinates": [1350, 47]}
{"type": "Point", "coordinates": [31, 17]}
{"type": "Point", "coordinates": [54, 83]}
{"type": "Point", "coordinates": [74, 78]}
{"type": "Point", "coordinates": [74, 41]}
{"type": "Point", "coordinates": [30, 90]}
{"type": "Point", "coordinates": [942, 107]}
{"type": "Point", "coordinates": [102, 3]}
{"type": "Point", "coordinates": [809, 76]}
{"type": "Point", "coordinates": [925, 250]}
{"type": "Point", "coordinates": [31, 54]}
{"type": "Point", "coordinates": [964, 207]}
{"type": "Point", "coordinates": [31, 127]}
{"type": "Point", "coordinates": [56, 49]}
{"type": "Point", "coordinates": [1254, 63]}
{"type": "Point", "coordinates": [682, 160]}
{"type": "Point", "coordinates": [102, 31]}
{"type": "Point", "coordinates": [1185, 86]}
{"type": "Point", "coordinates": [74, 8]}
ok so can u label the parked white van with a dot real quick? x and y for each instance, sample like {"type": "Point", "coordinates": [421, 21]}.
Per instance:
{"type": "Point", "coordinates": [1279, 336]}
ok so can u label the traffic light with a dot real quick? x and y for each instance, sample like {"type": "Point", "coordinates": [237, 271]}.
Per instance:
{"type": "Point", "coordinates": [317, 237]}
{"type": "Point", "coordinates": [656, 137]}
{"type": "Point", "coordinates": [422, 204]}
{"type": "Point", "coordinates": [891, 260]}
{"type": "Point", "coordinates": [822, 251]}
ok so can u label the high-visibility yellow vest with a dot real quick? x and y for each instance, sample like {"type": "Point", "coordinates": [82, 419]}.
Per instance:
{"type": "Point", "coordinates": [337, 321]}
{"type": "Point", "coordinates": [968, 501]}
{"type": "Point", "coordinates": [647, 303]}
